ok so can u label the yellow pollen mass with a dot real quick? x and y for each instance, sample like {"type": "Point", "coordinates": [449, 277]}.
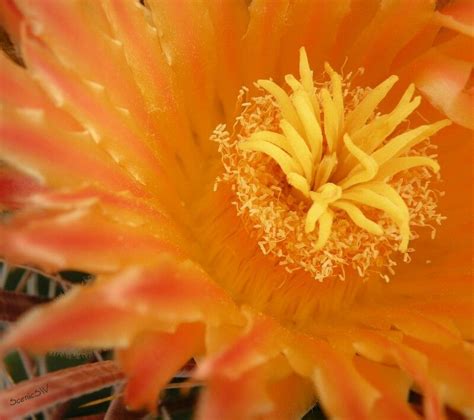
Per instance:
{"type": "Point", "coordinates": [325, 181]}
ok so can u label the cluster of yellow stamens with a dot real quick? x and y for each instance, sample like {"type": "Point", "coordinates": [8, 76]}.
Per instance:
{"type": "Point", "coordinates": [339, 160]}
{"type": "Point", "coordinates": [323, 179]}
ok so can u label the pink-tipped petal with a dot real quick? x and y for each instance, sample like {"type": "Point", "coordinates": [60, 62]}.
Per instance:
{"type": "Point", "coordinates": [17, 89]}
{"type": "Point", "coordinates": [112, 310]}
{"type": "Point", "coordinates": [444, 81]}
{"type": "Point", "coordinates": [152, 360]}
{"type": "Point", "coordinates": [56, 157]}
{"type": "Point", "coordinates": [113, 130]}
{"type": "Point", "coordinates": [458, 16]}
{"type": "Point", "coordinates": [258, 346]}
{"type": "Point", "coordinates": [452, 372]}
{"type": "Point", "coordinates": [92, 241]}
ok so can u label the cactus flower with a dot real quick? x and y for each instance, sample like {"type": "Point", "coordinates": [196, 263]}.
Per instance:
{"type": "Point", "coordinates": [276, 189]}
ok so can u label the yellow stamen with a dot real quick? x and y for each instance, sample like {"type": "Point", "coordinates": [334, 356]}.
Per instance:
{"type": "Point", "coordinates": [406, 141]}
{"type": "Point", "coordinates": [293, 82]}
{"type": "Point", "coordinates": [335, 148]}
{"type": "Point", "coordinates": [357, 118]}
{"type": "Point", "coordinates": [299, 182]}
{"type": "Point", "coordinates": [327, 194]}
{"type": "Point", "coordinates": [331, 120]}
{"type": "Point", "coordinates": [358, 217]}
{"type": "Point", "coordinates": [325, 224]}
{"type": "Point", "coordinates": [279, 156]}
{"type": "Point", "coordinates": [397, 165]}
{"type": "Point", "coordinates": [299, 147]}
{"type": "Point", "coordinates": [283, 100]}
{"type": "Point", "coordinates": [370, 166]}
{"type": "Point", "coordinates": [310, 123]}
{"type": "Point", "coordinates": [274, 138]}
{"type": "Point", "coordinates": [307, 81]}
{"type": "Point", "coordinates": [325, 169]}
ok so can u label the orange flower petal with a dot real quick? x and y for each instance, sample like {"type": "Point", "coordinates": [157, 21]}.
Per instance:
{"type": "Point", "coordinates": [114, 309]}
{"type": "Point", "coordinates": [116, 132]}
{"type": "Point", "coordinates": [460, 311]}
{"type": "Point", "coordinates": [427, 328]}
{"type": "Point", "coordinates": [393, 386]}
{"type": "Point", "coordinates": [411, 362]}
{"type": "Point", "coordinates": [230, 21]}
{"type": "Point", "coordinates": [291, 396]}
{"type": "Point", "coordinates": [235, 399]}
{"type": "Point", "coordinates": [152, 360]}
{"type": "Point", "coordinates": [258, 346]}
{"type": "Point", "coordinates": [443, 80]}
{"type": "Point", "coordinates": [188, 42]}
{"type": "Point", "coordinates": [262, 39]}
{"type": "Point", "coordinates": [313, 24]}
{"type": "Point", "coordinates": [19, 90]}
{"type": "Point", "coordinates": [15, 188]}
{"type": "Point", "coordinates": [459, 47]}
{"type": "Point", "coordinates": [390, 29]}
{"type": "Point", "coordinates": [10, 19]}
{"type": "Point", "coordinates": [154, 76]}
{"type": "Point", "coordinates": [452, 371]}
{"type": "Point", "coordinates": [342, 391]}
{"type": "Point", "coordinates": [91, 243]}
{"type": "Point", "coordinates": [357, 18]}
{"type": "Point", "coordinates": [57, 157]}
{"type": "Point", "coordinates": [80, 37]}
{"type": "Point", "coordinates": [458, 15]}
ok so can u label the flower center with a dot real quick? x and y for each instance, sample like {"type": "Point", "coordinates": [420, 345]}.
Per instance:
{"type": "Point", "coordinates": [323, 178]}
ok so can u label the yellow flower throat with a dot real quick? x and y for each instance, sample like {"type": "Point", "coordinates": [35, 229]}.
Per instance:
{"type": "Point", "coordinates": [334, 152]}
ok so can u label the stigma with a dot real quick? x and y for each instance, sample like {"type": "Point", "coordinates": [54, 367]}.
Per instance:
{"type": "Point", "coordinates": [321, 175]}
